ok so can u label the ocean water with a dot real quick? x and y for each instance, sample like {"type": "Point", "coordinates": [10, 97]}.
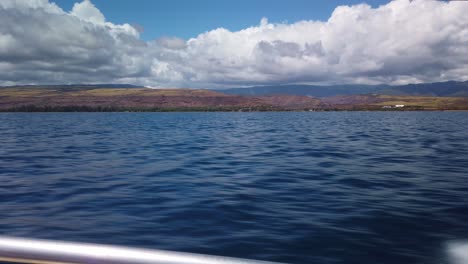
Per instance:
{"type": "Point", "coordinates": [334, 187]}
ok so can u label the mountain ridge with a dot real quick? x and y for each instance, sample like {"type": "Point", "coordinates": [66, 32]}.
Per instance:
{"type": "Point", "coordinates": [156, 100]}
{"type": "Point", "coordinates": [73, 86]}
{"type": "Point", "coordinates": [442, 89]}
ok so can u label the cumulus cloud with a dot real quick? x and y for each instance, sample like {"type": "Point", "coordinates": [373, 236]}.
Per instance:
{"type": "Point", "coordinates": [400, 42]}
{"type": "Point", "coordinates": [40, 43]}
{"type": "Point", "coordinates": [88, 12]}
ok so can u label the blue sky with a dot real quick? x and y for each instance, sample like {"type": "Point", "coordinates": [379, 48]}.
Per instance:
{"type": "Point", "coordinates": [188, 18]}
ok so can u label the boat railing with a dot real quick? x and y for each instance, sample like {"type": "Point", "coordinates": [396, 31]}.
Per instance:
{"type": "Point", "coordinates": [25, 250]}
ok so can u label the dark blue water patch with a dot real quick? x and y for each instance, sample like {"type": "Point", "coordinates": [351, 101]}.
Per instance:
{"type": "Point", "coordinates": [361, 187]}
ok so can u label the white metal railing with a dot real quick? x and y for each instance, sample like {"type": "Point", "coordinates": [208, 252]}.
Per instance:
{"type": "Point", "coordinates": [22, 250]}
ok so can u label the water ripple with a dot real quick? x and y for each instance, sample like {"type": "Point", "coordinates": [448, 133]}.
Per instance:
{"type": "Point", "coordinates": [361, 187]}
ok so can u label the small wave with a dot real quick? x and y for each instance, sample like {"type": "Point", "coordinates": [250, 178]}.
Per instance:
{"type": "Point", "coordinates": [458, 252]}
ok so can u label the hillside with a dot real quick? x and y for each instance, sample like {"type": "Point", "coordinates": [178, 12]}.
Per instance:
{"type": "Point", "coordinates": [143, 99]}
{"type": "Point", "coordinates": [388, 102]}
{"type": "Point", "coordinates": [445, 89]}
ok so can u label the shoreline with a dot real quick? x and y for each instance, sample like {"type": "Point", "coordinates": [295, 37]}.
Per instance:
{"type": "Point", "coordinates": [235, 111]}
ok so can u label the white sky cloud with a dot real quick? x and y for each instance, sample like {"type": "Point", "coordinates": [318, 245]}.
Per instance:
{"type": "Point", "coordinates": [88, 12]}
{"type": "Point", "coordinates": [402, 41]}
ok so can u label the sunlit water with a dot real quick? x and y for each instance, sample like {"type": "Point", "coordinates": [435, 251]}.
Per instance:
{"type": "Point", "coordinates": [345, 187]}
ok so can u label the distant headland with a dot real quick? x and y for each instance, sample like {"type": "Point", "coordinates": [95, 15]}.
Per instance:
{"type": "Point", "coordinates": [120, 98]}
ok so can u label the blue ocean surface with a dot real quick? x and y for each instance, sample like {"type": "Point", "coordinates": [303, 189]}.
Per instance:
{"type": "Point", "coordinates": [310, 187]}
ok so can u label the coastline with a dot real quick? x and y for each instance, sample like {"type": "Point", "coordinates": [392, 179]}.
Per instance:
{"type": "Point", "coordinates": [189, 100]}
